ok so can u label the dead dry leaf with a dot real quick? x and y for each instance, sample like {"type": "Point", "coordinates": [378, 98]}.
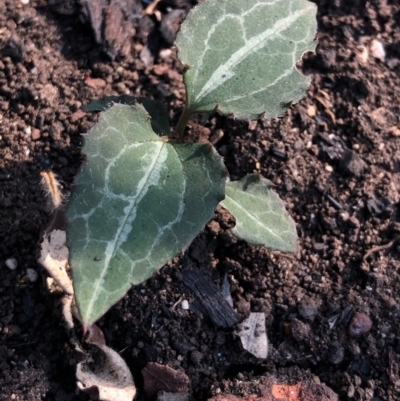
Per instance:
{"type": "Point", "coordinates": [325, 102]}
{"type": "Point", "coordinates": [109, 378]}
{"type": "Point", "coordinates": [54, 258]}
{"type": "Point", "coordinates": [325, 94]}
{"type": "Point", "coordinates": [253, 335]}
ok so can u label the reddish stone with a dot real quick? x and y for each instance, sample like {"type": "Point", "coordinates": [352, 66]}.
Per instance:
{"type": "Point", "coordinates": [311, 391]}
{"type": "Point", "coordinates": [158, 377]}
{"type": "Point", "coordinates": [77, 115]}
{"type": "Point", "coordinates": [35, 135]}
{"type": "Point", "coordinates": [95, 83]}
{"type": "Point", "coordinates": [360, 324]}
{"type": "Point", "coordinates": [303, 391]}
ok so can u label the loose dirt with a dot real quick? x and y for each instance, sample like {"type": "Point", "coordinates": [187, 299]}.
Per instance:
{"type": "Point", "coordinates": [335, 161]}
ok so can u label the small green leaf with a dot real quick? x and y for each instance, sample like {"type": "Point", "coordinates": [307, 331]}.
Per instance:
{"type": "Point", "coordinates": [241, 55]}
{"type": "Point", "coordinates": [261, 217]}
{"type": "Point", "coordinates": [159, 115]}
{"type": "Point", "coordinates": [138, 202]}
{"type": "Point", "coordinates": [157, 110]}
{"type": "Point", "coordinates": [107, 102]}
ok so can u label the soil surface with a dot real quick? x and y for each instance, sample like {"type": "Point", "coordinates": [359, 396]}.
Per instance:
{"type": "Point", "coordinates": [335, 161]}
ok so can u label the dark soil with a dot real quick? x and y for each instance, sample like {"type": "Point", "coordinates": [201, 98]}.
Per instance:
{"type": "Point", "coordinates": [335, 161]}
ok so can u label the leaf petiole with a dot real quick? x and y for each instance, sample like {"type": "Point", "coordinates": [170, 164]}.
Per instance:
{"type": "Point", "coordinates": [182, 123]}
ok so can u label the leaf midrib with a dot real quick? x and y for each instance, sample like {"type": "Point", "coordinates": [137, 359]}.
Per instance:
{"type": "Point", "coordinates": [97, 288]}
{"type": "Point", "coordinates": [242, 53]}
{"type": "Point", "coordinates": [256, 219]}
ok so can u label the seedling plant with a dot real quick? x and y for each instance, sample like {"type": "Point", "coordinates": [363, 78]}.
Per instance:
{"type": "Point", "coordinates": [143, 193]}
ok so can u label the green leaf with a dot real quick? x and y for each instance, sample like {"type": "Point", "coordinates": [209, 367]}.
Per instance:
{"type": "Point", "coordinates": [241, 54]}
{"type": "Point", "coordinates": [157, 110]}
{"type": "Point", "coordinates": [261, 217]}
{"type": "Point", "coordinates": [107, 102]}
{"type": "Point", "coordinates": [159, 115]}
{"type": "Point", "coordinates": [138, 202]}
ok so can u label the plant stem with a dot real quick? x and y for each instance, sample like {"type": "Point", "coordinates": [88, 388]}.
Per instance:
{"type": "Point", "coordinates": [183, 120]}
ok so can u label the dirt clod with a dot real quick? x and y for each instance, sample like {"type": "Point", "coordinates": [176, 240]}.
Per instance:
{"type": "Point", "coordinates": [352, 163]}
{"type": "Point", "coordinates": [360, 324]}
{"type": "Point", "coordinates": [336, 354]}
{"type": "Point", "coordinates": [300, 330]}
{"type": "Point", "coordinates": [307, 309]}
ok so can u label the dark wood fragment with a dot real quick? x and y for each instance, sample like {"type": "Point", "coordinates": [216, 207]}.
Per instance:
{"type": "Point", "coordinates": [112, 22]}
{"type": "Point", "coordinates": [210, 300]}
{"type": "Point", "coordinates": [334, 202]}
{"type": "Point", "coordinates": [279, 153]}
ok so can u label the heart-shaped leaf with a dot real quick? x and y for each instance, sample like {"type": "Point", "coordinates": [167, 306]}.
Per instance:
{"type": "Point", "coordinates": [241, 55]}
{"type": "Point", "coordinates": [139, 201]}
{"type": "Point", "coordinates": [261, 217]}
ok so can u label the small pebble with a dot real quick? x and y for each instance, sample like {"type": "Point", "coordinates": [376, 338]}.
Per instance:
{"type": "Point", "coordinates": [298, 145]}
{"type": "Point", "coordinates": [311, 111]}
{"type": "Point", "coordinates": [216, 136]}
{"type": "Point", "coordinates": [35, 135]}
{"type": "Point", "coordinates": [394, 131]}
{"type": "Point", "coordinates": [300, 330]}
{"type": "Point", "coordinates": [165, 53]}
{"type": "Point", "coordinates": [360, 324]}
{"type": "Point", "coordinates": [328, 168]}
{"type": "Point", "coordinates": [307, 309]}
{"type": "Point", "coordinates": [95, 83]}
{"type": "Point", "coordinates": [32, 275]}
{"type": "Point", "coordinates": [243, 306]}
{"type": "Point", "coordinates": [253, 125]}
{"type": "Point", "coordinates": [214, 227]}
{"type": "Point", "coordinates": [219, 338]}
{"type": "Point", "coordinates": [393, 63]}
{"type": "Point", "coordinates": [185, 304]}
{"type": "Point", "coordinates": [12, 263]}
{"type": "Point", "coordinates": [377, 50]}
{"type": "Point", "coordinates": [352, 163]}
{"type": "Point", "coordinates": [336, 355]}
{"type": "Point", "coordinates": [196, 357]}
{"type": "Point", "coordinates": [24, 2]}
{"type": "Point", "coordinates": [363, 55]}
